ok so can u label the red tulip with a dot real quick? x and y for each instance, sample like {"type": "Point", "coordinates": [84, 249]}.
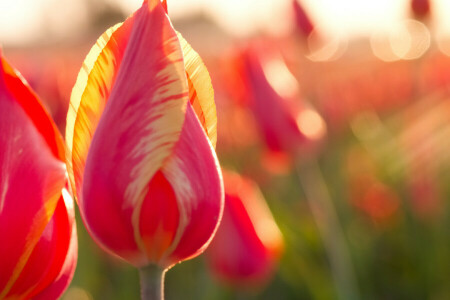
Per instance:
{"type": "Point", "coordinates": [248, 243]}
{"type": "Point", "coordinates": [426, 201]}
{"type": "Point", "coordinates": [38, 251]}
{"type": "Point", "coordinates": [302, 20]}
{"type": "Point", "coordinates": [367, 192]}
{"type": "Point", "coordinates": [420, 8]}
{"type": "Point", "coordinates": [286, 121]}
{"type": "Point", "coordinates": [373, 198]}
{"type": "Point", "coordinates": [141, 128]}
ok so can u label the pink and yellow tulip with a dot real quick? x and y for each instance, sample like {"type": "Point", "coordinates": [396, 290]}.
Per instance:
{"type": "Point", "coordinates": [38, 243]}
{"type": "Point", "coordinates": [141, 130]}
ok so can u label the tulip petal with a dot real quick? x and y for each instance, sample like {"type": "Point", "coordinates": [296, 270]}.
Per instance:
{"type": "Point", "coordinates": [90, 94]}
{"type": "Point", "coordinates": [248, 241]}
{"type": "Point", "coordinates": [23, 95]}
{"type": "Point", "coordinates": [274, 113]}
{"type": "Point", "coordinates": [164, 4]}
{"type": "Point", "coordinates": [159, 217]}
{"type": "Point", "coordinates": [237, 255]}
{"type": "Point", "coordinates": [246, 196]}
{"type": "Point", "coordinates": [31, 175]}
{"type": "Point", "coordinates": [49, 254]}
{"type": "Point", "coordinates": [62, 280]}
{"type": "Point", "coordinates": [195, 177]}
{"type": "Point", "coordinates": [201, 93]}
{"type": "Point", "coordinates": [138, 130]}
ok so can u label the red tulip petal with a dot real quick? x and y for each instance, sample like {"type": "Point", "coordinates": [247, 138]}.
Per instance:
{"type": "Point", "coordinates": [236, 254]}
{"type": "Point", "coordinates": [159, 217]}
{"type": "Point", "coordinates": [31, 176]}
{"type": "Point", "coordinates": [275, 115]}
{"type": "Point", "coordinates": [164, 4]}
{"type": "Point", "coordinates": [248, 200]}
{"type": "Point", "coordinates": [201, 93]}
{"type": "Point", "coordinates": [138, 130]}
{"type": "Point", "coordinates": [27, 99]}
{"type": "Point", "coordinates": [248, 241]}
{"type": "Point", "coordinates": [302, 20]}
{"type": "Point", "coordinates": [194, 174]}
{"type": "Point", "coordinates": [62, 280]}
{"type": "Point", "coordinates": [48, 256]}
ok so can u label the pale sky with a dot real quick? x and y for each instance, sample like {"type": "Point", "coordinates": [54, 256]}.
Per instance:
{"type": "Point", "coordinates": [22, 21]}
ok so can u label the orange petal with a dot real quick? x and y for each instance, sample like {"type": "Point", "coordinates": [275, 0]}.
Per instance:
{"type": "Point", "coordinates": [201, 93]}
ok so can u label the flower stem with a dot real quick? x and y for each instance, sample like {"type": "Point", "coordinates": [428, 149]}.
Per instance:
{"type": "Point", "coordinates": [152, 282]}
{"type": "Point", "coordinates": [325, 215]}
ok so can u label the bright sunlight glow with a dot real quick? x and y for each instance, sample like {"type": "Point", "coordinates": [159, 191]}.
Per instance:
{"type": "Point", "coordinates": [24, 21]}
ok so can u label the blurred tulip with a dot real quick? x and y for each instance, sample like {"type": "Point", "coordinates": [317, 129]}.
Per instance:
{"type": "Point", "coordinates": [248, 243]}
{"type": "Point", "coordinates": [141, 128]}
{"type": "Point", "coordinates": [286, 122]}
{"type": "Point", "coordinates": [373, 198]}
{"type": "Point", "coordinates": [38, 251]}
{"type": "Point", "coordinates": [420, 8]}
{"type": "Point", "coordinates": [302, 21]}
{"type": "Point", "coordinates": [426, 202]}
{"type": "Point", "coordinates": [370, 195]}
{"type": "Point", "coordinates": [276, 163]}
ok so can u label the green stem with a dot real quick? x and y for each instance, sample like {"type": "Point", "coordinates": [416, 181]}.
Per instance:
{"type": "Point", "coordinates": [152, 282]}
{"type": "Point", "coordinates": [325, 215]}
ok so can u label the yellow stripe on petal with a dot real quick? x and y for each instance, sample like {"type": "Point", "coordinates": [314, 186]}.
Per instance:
{"type": "Point", "coordinates": [89, 96]}
{"type": "Point", "coordinates": [82, 81]}
{"type": "Point", "coordinates": [40, 221]}
{"type": "Point", "coordinates": [201, 93]}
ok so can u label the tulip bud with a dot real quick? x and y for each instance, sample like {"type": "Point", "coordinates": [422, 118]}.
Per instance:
{"type": "Point", "coordinates": [286, 121]}
{"type": "Point", "coordinates": [420, 8]}
{"type": "Point", "coordinates": [302, 20]}
{"type": "Point", "coordinates": [141, 128]}
{"type": "Point", "coordinates": [38, 244]}
{"type": "Point", "coordinates": [247, 245]}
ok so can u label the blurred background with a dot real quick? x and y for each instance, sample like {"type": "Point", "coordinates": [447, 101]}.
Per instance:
{"type": "Point", "coordinates": [339, 110]}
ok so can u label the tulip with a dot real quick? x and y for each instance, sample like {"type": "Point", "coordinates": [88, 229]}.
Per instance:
{"type": "Point", "coordinates": [287, 123]}
{"type": "Point", "coordinates": [248, 243]}
{"type": "Point", "coordinates": [367, 193]}
{"type": "Point", "coordinates": [420, 8]}
{"type": "Point", "coordinates": [140, 130]}
{"type": "Point", "coordinates": [375, 199]}
{"type": "Point", "coordinates": [303, 23]}
{"type": "Point", "coordinates": [425, 200]}
{"type": "Point", "coordinates": [38, 251]}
